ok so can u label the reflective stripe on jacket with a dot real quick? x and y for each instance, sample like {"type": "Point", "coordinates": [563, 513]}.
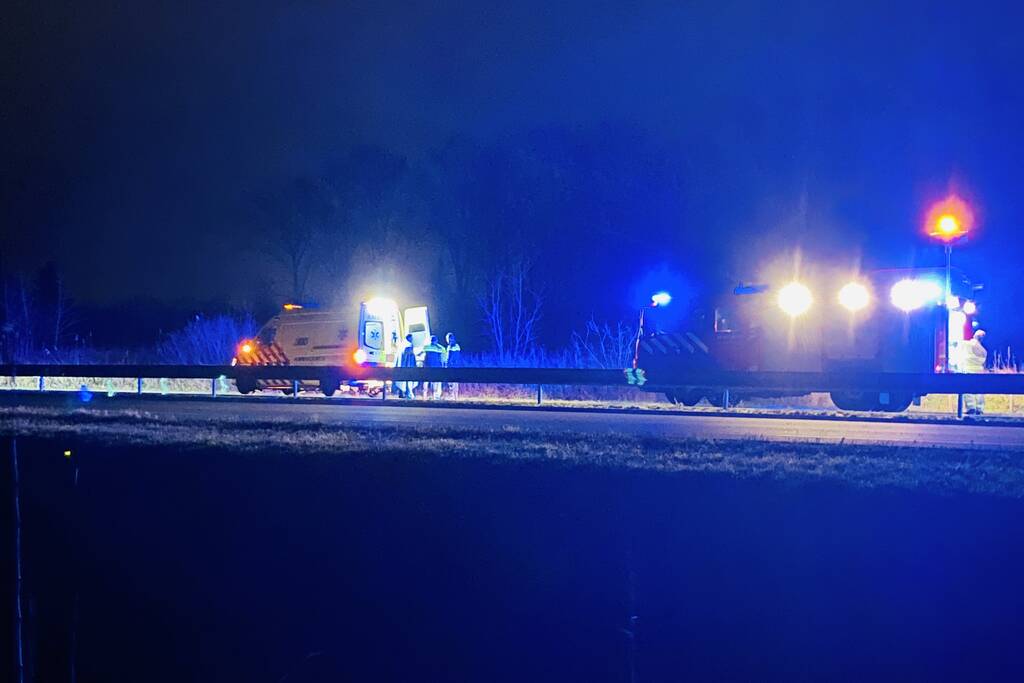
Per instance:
{"type": "Point", "coordinates": [433, 356]}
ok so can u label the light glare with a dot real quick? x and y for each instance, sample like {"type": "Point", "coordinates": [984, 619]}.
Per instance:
{"type": "Point", "coordinates": [661, 299]}
{"type": "Point", "coordinates": [795, 299]}
{"type": "Point", "coordinates": [854, 296]}
{"type": "Point", "coordinates": [949, 219]}
{"type": "Point", "coordinates": [909, 295]}
{"type": "Point", "coordinates": [379, 306]}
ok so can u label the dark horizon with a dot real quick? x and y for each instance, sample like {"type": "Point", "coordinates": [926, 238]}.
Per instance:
{"type": "Point", "coordinates": [137, 138]}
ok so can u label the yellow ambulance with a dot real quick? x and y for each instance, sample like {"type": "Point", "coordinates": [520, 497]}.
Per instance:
{"type": "Point", "coordinates": [301, 335]}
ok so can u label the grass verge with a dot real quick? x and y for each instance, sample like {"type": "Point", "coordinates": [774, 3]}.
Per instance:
{"type": "Point", "coordinates": [948, 471]}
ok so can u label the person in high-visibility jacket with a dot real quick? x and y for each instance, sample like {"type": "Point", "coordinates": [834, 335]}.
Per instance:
{"type": "Point", "coordinates": [452, 359]}
{"type": "Point", "coordinates": [407, 360]}
{"type": "Point", "coordinates": [972, 359]}
{"type": "Point", "coordinates": [433, 357]}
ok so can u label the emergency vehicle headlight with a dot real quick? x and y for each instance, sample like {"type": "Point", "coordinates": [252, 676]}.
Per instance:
{"type": "Point", "coordinates": [795, 299]}
{"type": "Point", "coordinates": [909, 295]}
{"type": "Point", "coordinates": [970, 308]}
{"type": "Point", "coordinates": [854, 296]}
{"type": "Point", "coordinates": [245, 348]}
{"type": "Point", "coordinates": [359, 356]}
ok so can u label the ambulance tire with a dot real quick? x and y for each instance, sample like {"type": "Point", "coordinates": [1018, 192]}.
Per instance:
{"type": "Point", "coordinates": [288, 392]}
{"type": "Point", "coordinates": [245, 385]}
{"type": "Point", "coordinates": [329, 385]}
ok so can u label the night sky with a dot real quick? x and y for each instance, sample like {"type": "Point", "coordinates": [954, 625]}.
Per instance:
{"type": "Point", "coordinates": [133, 132]}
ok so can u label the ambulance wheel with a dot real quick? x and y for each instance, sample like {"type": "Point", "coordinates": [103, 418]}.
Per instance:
{"type": "Point", "coordinates": [288, 392]}
{"type": "Point", "coordinates": [245, 385]}
{"type": "Point", "coordinates": [329, 386]}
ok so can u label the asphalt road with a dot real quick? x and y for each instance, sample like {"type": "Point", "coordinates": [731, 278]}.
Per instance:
{"type": "Point", "coordinates": [663, 424]}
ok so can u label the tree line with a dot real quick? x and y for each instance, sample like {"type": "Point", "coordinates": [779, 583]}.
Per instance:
{"type": "Point", "coordinates": [515, 244]}
{"type": "Point", "coordinates": [521, 245]}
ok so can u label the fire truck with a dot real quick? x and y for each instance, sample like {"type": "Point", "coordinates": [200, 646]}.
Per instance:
{"type": "Point", "coordinates": [303, 335]}
{"type": "Point", "coordinates": [883, 321]}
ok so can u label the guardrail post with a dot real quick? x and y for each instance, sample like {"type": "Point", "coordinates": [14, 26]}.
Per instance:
{"type": "Point", "coordinates": [42, 383]}
{"type": "Point", "coordinates": [383, 391]}
{"type": "Point", "coordinates": [138, 386]}
{"type": "Point", "coordinates": [959, 406]}
{"type": "Point", "coordinates": [540, 393]}
{"type": "Point", "coordinates": [213, 387]}
{"type": "Point", "coordinates": [725, 400]}
{"type": "Point", "coordinates": [295, 389]}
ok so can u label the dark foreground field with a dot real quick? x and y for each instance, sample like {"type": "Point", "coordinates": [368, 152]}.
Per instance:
{"type": "Point", "coordinates": [179, 560]}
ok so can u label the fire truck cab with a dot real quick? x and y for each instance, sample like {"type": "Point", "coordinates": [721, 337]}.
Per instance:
{"type": "Point", "coordinates": [301, 335]}
{"type": "Point", "coordinates": [883, 321]}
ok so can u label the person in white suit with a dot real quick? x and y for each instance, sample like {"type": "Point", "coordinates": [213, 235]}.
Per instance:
{"type": "Point", "coordinates": [972, 360]}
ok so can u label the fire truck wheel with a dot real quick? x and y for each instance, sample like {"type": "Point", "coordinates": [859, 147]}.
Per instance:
{"type": "Point", "coordinates": [246, 385]}
{"type": "Point", "coordinates": [717, 399]}
{"type": "Point", "coordinates": [897, 403]}
{"type": "Point", "coordinates": [686, 397]}
{"type": "Point", "coordinates": [871, 401]}
{"type": "Point", "coordinates": [854, 400]}
{"type": "Point", "coordinates": [328, 386]}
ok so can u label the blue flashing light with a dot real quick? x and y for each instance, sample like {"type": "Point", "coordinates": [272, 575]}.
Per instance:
{"type": "Point", "coordinates": [661, 299]}
{"type": "Point", "coordinates": [84, 395]}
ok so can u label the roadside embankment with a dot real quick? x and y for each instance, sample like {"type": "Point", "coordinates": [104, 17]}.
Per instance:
{"type": "Point", "coordinates": [952, 470]}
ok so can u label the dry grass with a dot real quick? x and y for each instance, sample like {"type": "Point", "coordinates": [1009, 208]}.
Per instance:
{"type": "Point", "coordinates": [931, 469]}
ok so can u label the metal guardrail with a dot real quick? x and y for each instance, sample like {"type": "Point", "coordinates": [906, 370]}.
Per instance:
{"type": "Point", "coordinates": [796, 382]}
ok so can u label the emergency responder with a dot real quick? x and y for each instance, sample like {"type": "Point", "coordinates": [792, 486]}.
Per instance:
{"type": "Point", "coordinates": [973, 359]}
{"type": "Point", "coordinates": [433, 357]}
{"type": "Point", "coordinates": [452, 359]}
{"type": "Point", "coordinates": [407, 360]}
